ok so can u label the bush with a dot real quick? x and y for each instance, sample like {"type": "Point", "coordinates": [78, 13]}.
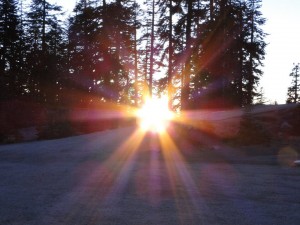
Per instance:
{"type": "Point", "coordinates": [57, 125]}
{"type": "Point", "coordinates": [8, 137]}
{"type": "Point", "coordinates": [295, 121]}
{"type": "Point", "coordinates": [55, 130]}
{"type": "Point", "coordinates": [252, 131]}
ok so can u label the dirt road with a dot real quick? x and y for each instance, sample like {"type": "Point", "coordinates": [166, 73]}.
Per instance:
{"type": "Point", "coordinates": [115, 177]}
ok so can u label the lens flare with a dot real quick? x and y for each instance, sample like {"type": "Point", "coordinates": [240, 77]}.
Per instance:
{"type": "Point", "coordinates": [155, 115]}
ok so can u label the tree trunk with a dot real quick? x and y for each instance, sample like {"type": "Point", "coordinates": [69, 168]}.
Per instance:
{"type": "Point", "coordinates": [152, 50]}
{"type": "Point", "coordinates": [251, 78]}
{"type": "Point", "coordinates": [44, 28]}
{"type": "Point", "coordinates": [211, 9]}
{"type": "Point", "coordinates": [135, 62]}
{"type": "Point", "coordinates": [296, 83]}
{"type": "Point", "coordinates": [187, 70]}
{"type": "Point", "coordinates": [170, 71]}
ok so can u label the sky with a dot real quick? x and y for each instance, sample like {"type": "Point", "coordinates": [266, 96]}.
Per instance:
{"type": "Point", "coordinates": [283, 49]}
{"type": "Point", "coordinates": [283, 18]}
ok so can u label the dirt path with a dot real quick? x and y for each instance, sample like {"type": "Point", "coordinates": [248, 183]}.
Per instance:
{"type": "Point", "coordinates": [115, 178]}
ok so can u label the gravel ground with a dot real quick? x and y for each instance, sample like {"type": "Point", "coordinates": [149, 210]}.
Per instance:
{"type": "Point", "coordinates": [113, 177]}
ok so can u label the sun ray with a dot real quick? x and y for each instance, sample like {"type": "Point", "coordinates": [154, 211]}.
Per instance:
{"type": "Point", "coordinates": [122, 161]}
{"type": "Point", "coordinates": [107, 179]}
{"type": "Point", "coordinates": [180, 175]}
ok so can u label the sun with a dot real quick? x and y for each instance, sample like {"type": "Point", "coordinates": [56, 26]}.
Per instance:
{"type": "Point", "coordinates": [155, 115]}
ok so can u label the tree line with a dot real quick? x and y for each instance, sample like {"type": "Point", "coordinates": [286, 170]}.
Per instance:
{"type": "Point", "coordinates": [201, 53]}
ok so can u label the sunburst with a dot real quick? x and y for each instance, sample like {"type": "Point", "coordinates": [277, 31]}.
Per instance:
{"type": "Point", "coordinates": [154, 115]}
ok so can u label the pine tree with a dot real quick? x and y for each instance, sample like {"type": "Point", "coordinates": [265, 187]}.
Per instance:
{"type": "Point", "coordinates": [103, 50]}
{"type": "Point", "coordinates": [183, 30]}
{"type": "Point", "coordinates": [42, 23]}
{"type": "Point", "coordinates": [260, 98]}
{"type": "Point", "coordinates": [254, 46]}
{"type": "Point", "coordinates": [186, 30]}
{"type": "Point", "coordinates": [230, 49]}
{"type": "Point", "coordinates": [9, 38]}
{"type": "Point", "coordinates": [149, 48]}
{"type": "Point", "coordinates": [85, 55]}
{"type": "Point", "coordinates": [126, 27]}
{"type": "Point", "coordinates": [136, 55]}
{"type": "Point", "coordinates": [294, 90]}
{"type": "Point", "coordinates": [166, 46]}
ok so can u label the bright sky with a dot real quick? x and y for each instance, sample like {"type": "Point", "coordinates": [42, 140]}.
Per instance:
{"type": "Point", "coordinates": [283, 18]}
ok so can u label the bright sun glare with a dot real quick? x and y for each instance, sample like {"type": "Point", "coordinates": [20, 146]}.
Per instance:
{"type": "Point", "coordinates": [155, 115]}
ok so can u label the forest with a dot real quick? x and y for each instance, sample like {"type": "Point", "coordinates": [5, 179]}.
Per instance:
{"type": "Point", "coordinates": [113, 53]}
{"type": "Point", "coordinates": [200, 53]}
